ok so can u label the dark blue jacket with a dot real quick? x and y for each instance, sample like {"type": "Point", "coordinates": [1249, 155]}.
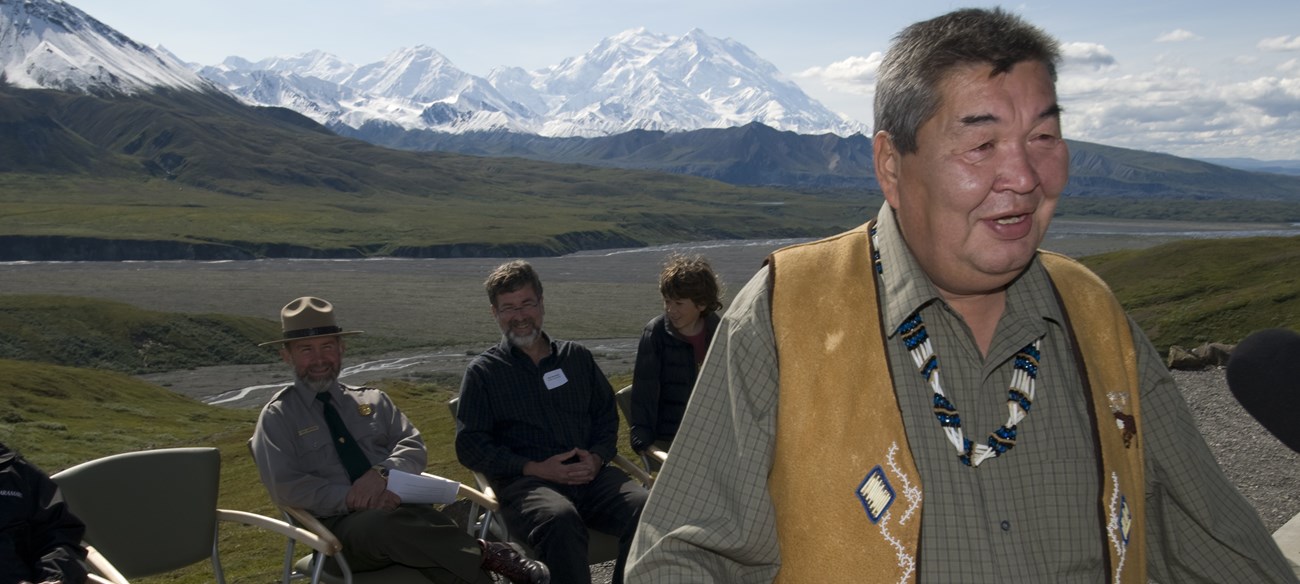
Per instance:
{"type": "Point", "coordinates": [662, 381]}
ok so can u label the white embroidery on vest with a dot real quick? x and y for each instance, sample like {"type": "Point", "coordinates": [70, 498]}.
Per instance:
{"type": "Point", "coordinates": [1117, 529]}
{"type": "Point", "coordinates": [878, 495]}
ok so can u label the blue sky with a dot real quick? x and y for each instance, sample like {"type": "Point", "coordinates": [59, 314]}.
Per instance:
{"type": "Point", "coordinates": [1193, 78]}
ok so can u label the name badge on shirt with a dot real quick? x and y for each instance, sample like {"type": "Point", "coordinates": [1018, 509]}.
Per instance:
{"type": "Point", "coordinates": [554, 378]}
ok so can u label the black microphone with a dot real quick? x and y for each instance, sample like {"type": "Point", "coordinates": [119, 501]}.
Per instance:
{"type": "Point", "coordinates": [1264, 376]}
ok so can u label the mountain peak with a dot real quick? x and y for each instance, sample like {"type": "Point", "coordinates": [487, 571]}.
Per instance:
{"type": "Point", "coordinates": [697, 33]}
{"type": "Point", "coordinates": [633, 33]}
{"type": "Point", "coordinates": [54, 45]}
{"type": "Point", "coordinates": [636, 79]}
{"type": "Point", "coordinates": [416, 52]}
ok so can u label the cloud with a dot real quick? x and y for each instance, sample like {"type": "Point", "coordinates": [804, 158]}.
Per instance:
{"type": "Point", "coordinates": [1177, 36]}
{"type": "Point", "coordinates": [1183, 111]}
{"type": "Point", "coordinates": [1275, 97]}
{"type": "Point", "coordinates": [1091, 56]}
{"type": "Point", "coordinates": [851, 75]}
{"type": "Point", "coordinates": [1280, 44]}
{"type": "Point", "coordinates": [1170, 107]}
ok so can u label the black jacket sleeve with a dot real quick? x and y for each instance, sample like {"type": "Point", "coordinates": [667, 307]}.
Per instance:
{"type": "Point", "coordinates": [40, 533]}
{"type": "Point", "coordinates": [57, 534]}
{"type": "Point", "coordinates": [643, 419]}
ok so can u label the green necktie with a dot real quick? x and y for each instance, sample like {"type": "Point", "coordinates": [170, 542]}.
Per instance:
{"type": "Point", "coordinates": [349, 451]}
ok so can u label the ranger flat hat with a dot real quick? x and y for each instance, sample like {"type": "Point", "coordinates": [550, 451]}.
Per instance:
{"type": "Point", "coordinates": [307, 318]}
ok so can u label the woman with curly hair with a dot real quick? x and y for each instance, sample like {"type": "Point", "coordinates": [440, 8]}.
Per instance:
{"type": "Point", "coordinates": [673, 346]}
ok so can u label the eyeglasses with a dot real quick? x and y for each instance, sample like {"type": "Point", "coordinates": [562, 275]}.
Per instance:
{"type": "Point", "coordinates": [512, 310]}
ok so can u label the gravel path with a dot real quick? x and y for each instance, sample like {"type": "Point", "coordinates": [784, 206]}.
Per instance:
{"type": "Point", "coordinates": [1265, 471]}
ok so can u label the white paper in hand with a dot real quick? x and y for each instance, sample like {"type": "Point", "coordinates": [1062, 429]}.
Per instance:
{"type": "Point", "coordinates": [422, 488]}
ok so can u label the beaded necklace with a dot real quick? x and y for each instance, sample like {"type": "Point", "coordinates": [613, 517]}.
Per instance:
{"type": "Point", "coordinates": [1020, 395]}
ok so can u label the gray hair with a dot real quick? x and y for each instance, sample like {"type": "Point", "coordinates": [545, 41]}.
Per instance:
{"type": "Point", "coordinates": [510, 277]}
{"type": "Point", "coordinates": [907, 85]}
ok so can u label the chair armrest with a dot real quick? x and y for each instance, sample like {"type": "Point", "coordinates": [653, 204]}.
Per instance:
{"type": "Point", "coordinates": [101, 570]}
{"type": "Point", "coordinates": [312, 524]}
{"type": "Point", "coordinates": [486, 498]}
{"type": "Point", "coordinates": [632, 469]}
{"type": "Point", "coordinates": [657, 453]}
{"type": "Point", "coordinates": [483, 485]}
{"type": "Point", "coordinates": [312, 532]}
{"type": "Point", "coordinates": [327, 546]}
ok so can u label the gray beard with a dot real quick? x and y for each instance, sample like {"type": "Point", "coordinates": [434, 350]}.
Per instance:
{"type": "Point", "coordinates": [318, 386]}
{"type": "Point", "coordinates": [523, 342]}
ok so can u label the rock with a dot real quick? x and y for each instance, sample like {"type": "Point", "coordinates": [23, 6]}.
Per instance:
{"type": "Point", "coordinates": [1202, 357]}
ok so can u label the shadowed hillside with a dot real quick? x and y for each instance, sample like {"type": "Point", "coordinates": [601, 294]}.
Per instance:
{"type": "Point", "coordinates": [178, 175]}
{"type": "Point", "coordinates": [755, 154]}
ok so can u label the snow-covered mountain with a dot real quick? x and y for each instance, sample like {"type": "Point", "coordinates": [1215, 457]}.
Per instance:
{"type": "Point", "coordinates": [54, 45]}
{"type": "Point", "coordinates": [634, 80]}
{"type": "Point", "coordinates": [414, 88]}
{"type": "Point", "coordinates": [640, 80]}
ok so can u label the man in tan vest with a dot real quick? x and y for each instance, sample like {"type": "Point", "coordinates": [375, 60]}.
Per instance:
{"type": "Point", "coordinates": [929, 398]}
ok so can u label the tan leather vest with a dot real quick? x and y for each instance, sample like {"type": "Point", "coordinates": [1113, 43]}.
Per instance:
{"type": "Point", "coordinates": [840, 432]}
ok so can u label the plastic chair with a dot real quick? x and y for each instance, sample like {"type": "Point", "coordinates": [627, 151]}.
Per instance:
{"type": "Point", "coordinates": [314, 564]}
{"type": "Point", "coordinates": [601, 546]}
{"type": "Point", "coordinates": [654, 457]}
{"type": "Point", "coordinates": [155, 511]}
